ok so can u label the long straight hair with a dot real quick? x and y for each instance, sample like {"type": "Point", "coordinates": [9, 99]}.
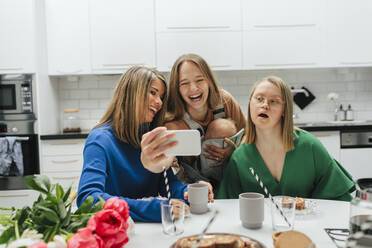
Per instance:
{"type": "Point", "coordinates": [176, 105]}
{"type": "Point", "coordinates": [286, 120]}
{"type": "Point", "coordinates": [126, 111]}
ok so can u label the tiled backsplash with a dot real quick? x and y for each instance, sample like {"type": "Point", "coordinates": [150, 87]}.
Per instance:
{"type": "Point", "coordinates": [91, 94]}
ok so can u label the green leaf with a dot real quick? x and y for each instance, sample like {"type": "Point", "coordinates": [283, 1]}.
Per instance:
{"type": "Point", "coordinates": [86, 206]}
{"type": "Point", "coordinates": [67, 219]}
{"type": "Point", "coordinates": [62, 209]}
{"type": "Point", "coordinates": [67, 194]}
{"type": "Point", "coordinates": [59, 192]}
{"type": "Point", "coordinates": [98, 206]}
{"type": "Point", "coordinates": [49, 214]}
{"type": "Point", "coordinates": [45, 180]}
{"type": "Point", "coordinates": [34, 184]}
{"type": "Point", "coordinates": [7, 235]}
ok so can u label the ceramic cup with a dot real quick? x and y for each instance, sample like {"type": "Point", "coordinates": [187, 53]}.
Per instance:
{"type": "Point", "coordinates": [198, 198]}
{"type": "Point", "coordinates": [251, 206]}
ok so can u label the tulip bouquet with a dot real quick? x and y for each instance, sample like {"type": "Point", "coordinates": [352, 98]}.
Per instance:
{"type": "Point", "coordinates": [51, 223]}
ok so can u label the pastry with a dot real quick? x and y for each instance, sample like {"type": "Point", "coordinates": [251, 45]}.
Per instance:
{"type": "Point", "coordinates": [300, 203]}
{"type": "Point", "coordinates": [215, 241]}
{"type": "Point", "coordinates": [291, 239]}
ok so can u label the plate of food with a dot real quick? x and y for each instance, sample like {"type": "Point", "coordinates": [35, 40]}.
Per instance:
{"type": "Point", "coordinates": [305, 206]}
{"type": "Point", "coordinates": [218, 240]}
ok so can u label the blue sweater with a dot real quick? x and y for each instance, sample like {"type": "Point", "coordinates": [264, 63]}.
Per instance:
{"type": "Point", "coordinates": [114, 168]}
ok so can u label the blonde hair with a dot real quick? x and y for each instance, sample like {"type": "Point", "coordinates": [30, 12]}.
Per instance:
{"type": "Point", "coordinates": [125, 112]}
{"type": "Point", "coordinates": [287, 118]}
{"type": "Point", "coordinates": [176, 104]}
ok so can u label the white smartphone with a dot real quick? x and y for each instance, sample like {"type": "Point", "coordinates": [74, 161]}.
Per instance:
{"type": "Point", "coordinates": [189, 143]}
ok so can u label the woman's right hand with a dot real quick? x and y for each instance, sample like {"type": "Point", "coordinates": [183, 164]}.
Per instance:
{"type": "Point", "coordinates": [153, 148]}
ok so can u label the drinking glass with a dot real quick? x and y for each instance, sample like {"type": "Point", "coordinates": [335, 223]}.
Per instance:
{"type": "Point", "coordinates": [288, 206]}
{"type": "Point", "coordinates": [172, 217]}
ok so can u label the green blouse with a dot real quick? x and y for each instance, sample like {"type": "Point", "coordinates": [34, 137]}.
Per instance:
{"type": "Point", "coordinates": [308, 172]}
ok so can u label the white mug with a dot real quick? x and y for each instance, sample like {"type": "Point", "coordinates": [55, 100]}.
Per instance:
{"type": "Point", "coordinates": [251, 206]}
{"type": "Point", "coordinates": [198, 198]}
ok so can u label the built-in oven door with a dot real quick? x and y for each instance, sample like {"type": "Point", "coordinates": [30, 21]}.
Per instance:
{"type": "Point", "coordinates": [30, 153]}
{"type": "Point", "coordinates": [10, 98]}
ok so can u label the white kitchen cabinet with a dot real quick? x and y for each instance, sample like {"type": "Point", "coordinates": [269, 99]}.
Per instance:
{"type": "Point", "coordinates": [221, 50]}
{"type": "Point", "coordinates": [331, 141]}
{"type": "Point", "coordinates": [348, 34]}
{"type": "Point", "coordinates": [357, 161]}
{"type": "Point", "coordinates": [18, 198]}
{"type": "Point", "coordinates": [62, 161]}
{"type": "Point", "coordinates": [17, 34]}
{"type": "Point", "coordinates": [282, 34]}
{"type": "Point", "coordinates": [68, 37]}
{"type": "Point", "coordinates": [180, 15]}
{"type": "Point", "coordinates": [277, 48]}
{"type": "Point", "coordinates": [122, 34]}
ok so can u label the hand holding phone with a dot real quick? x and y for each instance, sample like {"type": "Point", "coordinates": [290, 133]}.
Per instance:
{"type": "Point", "coordinates": [189, 143]}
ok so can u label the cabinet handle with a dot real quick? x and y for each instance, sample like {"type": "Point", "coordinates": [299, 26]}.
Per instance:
{"type": "Point", "coordinates": [11, 68]}
{"type": "Point", "coordinates": [285, 26]}
{"type": "Point", "coordinates": [70, 72]}
{"type": "Point", "coordinates": [356, 63]}
{"type": "Point", "coordinates": [289, 64]}
{"type": "Point", "coordinates": [62, 144]}
{"type": "Point", "coordinates": [15, 195]}
{"type": "Point", "coordinates": [73, 177]}
{"type": "Point", "coordinates": [65, 161]}
{"type": "Point", "coordinates": [198, 27]}
{"type": "Point", "coordinates": [220, 66]}
{"type": "Point", "coordinates": [127, 65]}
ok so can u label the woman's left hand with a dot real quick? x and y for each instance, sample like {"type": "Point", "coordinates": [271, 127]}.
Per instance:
{"type": "Point", "coordinates": [220, 154]}
{"type": "Point", "coordinates": [210, 192]}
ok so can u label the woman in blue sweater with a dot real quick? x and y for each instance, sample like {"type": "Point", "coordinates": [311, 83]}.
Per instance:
{"type": "Point", "coordinates": [117, 162]}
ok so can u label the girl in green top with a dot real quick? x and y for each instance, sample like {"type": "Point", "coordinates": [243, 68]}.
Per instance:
{"type": "Point", "coordinates": [289, 161]}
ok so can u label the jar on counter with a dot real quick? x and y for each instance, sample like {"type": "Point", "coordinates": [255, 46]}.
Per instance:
{"type": "Point", "coordinates": [71, 121]}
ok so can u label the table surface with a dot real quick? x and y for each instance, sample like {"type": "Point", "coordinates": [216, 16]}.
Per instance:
{"type": "Point", "coordinates": [327, 214]}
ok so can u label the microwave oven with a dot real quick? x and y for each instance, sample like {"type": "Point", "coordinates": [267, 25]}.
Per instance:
{"type": "Point", "coordinates": [15, 94]}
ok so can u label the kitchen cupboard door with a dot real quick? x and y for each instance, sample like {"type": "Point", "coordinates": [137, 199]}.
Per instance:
{"type": "Point", "coordinates": [67, 24]}
{"type": "Point", "coordinates": [17, 198]}
{"type": "Point", "coordinates": [284, 48]}
{"type": "Point", "coordinates": [357, 161]}
{"type": "Point", "coordinates": [282, 34]}
{"type": "Point", "coordinates": [122, 34]}
{"type": "Point", "coordinates": [264, 14]}
{"type": "Point", "coordinates": [348, 33]}
{"type": "Point", "coordinates": [221, 50]}
{"type": "Point", "coordinates": [180, 15]}
{"type": "Point", "coordinates": [331, 141]}
{"type": "Point", "coordinates": [17, 34]}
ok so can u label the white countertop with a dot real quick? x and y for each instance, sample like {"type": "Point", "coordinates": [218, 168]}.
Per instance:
{"type": "Point", "coordinates": [328, 214]}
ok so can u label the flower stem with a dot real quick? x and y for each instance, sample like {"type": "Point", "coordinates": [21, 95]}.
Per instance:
{"type": "Point", "coordinates": [16, 230]}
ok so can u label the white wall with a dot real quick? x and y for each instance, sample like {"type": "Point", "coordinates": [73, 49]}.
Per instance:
{"type": "Point", "coordinates": [91, 94]}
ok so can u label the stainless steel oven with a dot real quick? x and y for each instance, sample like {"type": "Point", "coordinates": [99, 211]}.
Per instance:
{"type": "Point", "coordinates": [16, 94]}
{"type": "Point", "coordinates": [28, 139]}
{"type": "Point", "coordinates": [17, 121]}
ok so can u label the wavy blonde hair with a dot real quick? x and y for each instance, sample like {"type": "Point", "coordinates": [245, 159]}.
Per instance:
{"type": "Point", "coordinates": [126, 112]}
{"type": "Point", "coordinates": [176, 105]}
{"type": "Point", "coordinates": [286, 120]}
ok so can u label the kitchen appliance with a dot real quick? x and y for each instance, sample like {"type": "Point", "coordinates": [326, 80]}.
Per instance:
{"type": "Point", "coordinates": [16, 94]}
{"type": "Point", "coordinates": [17, 120]}
{"type": "Point", "coordinates": [355, 153]}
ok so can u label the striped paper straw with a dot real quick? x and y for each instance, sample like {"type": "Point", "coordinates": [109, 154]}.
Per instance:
{"type": "Point", "coordinates": [169, 197]}
{"type": "Point", "coordinates": [200, 237]}
{"type": "Point", "coordinates": [269, 195]}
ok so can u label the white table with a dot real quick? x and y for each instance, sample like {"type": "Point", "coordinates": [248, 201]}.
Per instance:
{"type": "Point", "coordinates": [330, 214]}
